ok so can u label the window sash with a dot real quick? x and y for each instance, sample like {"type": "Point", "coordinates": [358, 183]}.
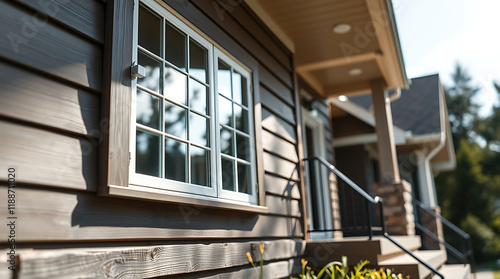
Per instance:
{"type": "Point", "coordinates": [215, 174]}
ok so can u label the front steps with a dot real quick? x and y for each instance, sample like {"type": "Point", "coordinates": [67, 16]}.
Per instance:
{"type": "Point", "coordinates": [382, 253]}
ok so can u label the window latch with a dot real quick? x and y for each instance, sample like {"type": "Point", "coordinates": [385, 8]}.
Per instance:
{"type": "Point", "coordinates": [137, 71]}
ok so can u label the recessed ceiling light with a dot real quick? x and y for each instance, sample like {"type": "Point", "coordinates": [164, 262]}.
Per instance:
{"type": "Point", "coordinates": [342, 98]}
{"type": "Point", "coordinates": [355, 71]}
{"type": "Point", "coordinates": [341, 28]}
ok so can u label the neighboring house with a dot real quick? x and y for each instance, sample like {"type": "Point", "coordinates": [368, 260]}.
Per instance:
{"type": "Point", "coordinates": [421, 131]}
{"type": "Point", "coordinates": [166, 138]}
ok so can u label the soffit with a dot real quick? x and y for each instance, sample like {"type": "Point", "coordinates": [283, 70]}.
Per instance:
{"type": "Point", "coordinates": [324, 58]}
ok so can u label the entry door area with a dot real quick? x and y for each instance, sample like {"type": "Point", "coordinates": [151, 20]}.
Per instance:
{"type": "Point", "coordinates": [316, 178]}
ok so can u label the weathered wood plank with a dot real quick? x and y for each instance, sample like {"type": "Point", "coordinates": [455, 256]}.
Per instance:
{"type": "Point", "coordinates": [49, 48]}
{"type": "Point", "coordinates": [281, 186]}
{"type": "Point", "coordinates": [85, 16]}
{"type": "Point", "coordinates": [150, 261]}
{"type": "Point", "coordinates": [281, 269]}
{"type": "Point", "coordinates": [278, 87]}
{"type": "Point", "coordinates": [82, 216]}
{"type": "Point", "coordinates": [47, 158]}
{"type": "Point", "coordinates": [281, 167]}
{"type": "Point", "coordinates": [283, 206]}
{"type": "Point", "coordinates": [279, 146]}
{"type": "Point", "coordinates": [30, 97]}
{"type": "Point", "coordinates": [240, 33]}
{"type": "Point", "coordinates": [5, 272]}
{"type": "Point", "coordinates": [276, 105]}
{"type": "Point", "coordinates": [278, 126]}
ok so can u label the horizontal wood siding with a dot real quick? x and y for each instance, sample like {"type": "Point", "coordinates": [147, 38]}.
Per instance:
{"type": "Point", "coordinates": [81, 216]}
{"type": "Point", "coordinates": [84, 17]}
{"type": "Point", "coordinates": [51, 128]}
{"type": "Point", "coordinates": [49, 48]}
{"type": "Point", "coordinates": [34, 98]}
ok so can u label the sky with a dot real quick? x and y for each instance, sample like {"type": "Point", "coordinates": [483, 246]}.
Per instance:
{"type": "Point", "coordinates": [436, 34]}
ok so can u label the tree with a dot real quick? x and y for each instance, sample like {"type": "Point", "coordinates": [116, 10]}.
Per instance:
{"type": "Point", "coordinates": [489, 127]}
{"type": "Point", "coordinates": [461, 106]}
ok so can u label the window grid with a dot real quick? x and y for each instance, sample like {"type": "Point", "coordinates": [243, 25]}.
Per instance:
{"type": "Point", "coordinates": [236, 161]}
{"type": "Point", "coordinates": [213, 148]}
{"type": "Point", "coordinates": [161, 94]}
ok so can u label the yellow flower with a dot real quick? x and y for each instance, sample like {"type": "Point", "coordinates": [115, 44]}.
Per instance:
{"type": "Point", "coordinates": [304, 262]}
{"type": "Point", "coordinates": [261, 248]}
{"type": "Point", "coordinates": [249, 257]}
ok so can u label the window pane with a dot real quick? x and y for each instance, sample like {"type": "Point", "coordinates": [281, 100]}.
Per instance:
{"type": "Point", "coordinates": [198, 96]}
{"type": "Point", "coordinates": [244, 179]}
{"type": "Point", "coordinates": [227, 174]}
{"type": "Point", "coordinates": [175, 160]}
{"type": "Point", "coordinates": [175, 85]}
{"type": "Point", "coordinates": [198, 129]}
{"type": "Point", "coordinates": [224, 79]}
{"type": "Point", "coordinates": [240, 89]}
{"type": "Point", "coordinates": [175, 47]}
{"type": "Point", "coordinates": [150, 30]}
{"type": "Point", "coordinates": [243, 147]}
{"type": "Point", "coordinates": [153, 68]}
{"type": "Point", "coordinates": [241, 118]}
{"type": "Point", "coordinates": [226, 141]}
{"type": "Point", "coordinates": [175, 120]}
{"type": "Point", "coordinates": [197, 61]}
{"type": "Point", "coordinates": [148, 109]}
{"type": "Point", "coordinates": [200, 166]}
{"type": "Point", "coordinates": [225, 111]}
{"type": "Point", "coordinates": [147, 150]}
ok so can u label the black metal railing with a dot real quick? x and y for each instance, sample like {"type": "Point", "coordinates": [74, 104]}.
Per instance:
{"type": "Point", "coordinates": [366, 211]}
{"type": "Point", "coordinates": [457, 243]}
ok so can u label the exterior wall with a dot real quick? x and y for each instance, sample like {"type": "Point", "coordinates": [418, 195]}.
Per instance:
{"type": "Point", "coordinates": [50, 129]}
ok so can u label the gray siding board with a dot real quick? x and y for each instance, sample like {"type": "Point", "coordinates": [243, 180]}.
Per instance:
{"type": "Point", "coordinates": [31, 97]}
{"type": "Point", "coordinates": [51, 49]}
{"type": "Point", "coordinates": [278, 126]}
{"type": "Point", "coordinates": [84, 16]}
{"type": "Point", "coordinates": [81, 216]}
{"type": "Point", "coordinates": [281, 186]}
{"type": "Point", "coordinates": [246, 17]}
{"type": "Point", "coordinates": [47, 158]}
{"type": "Point", "coordinates": [283, 206]}
{"type": "Point", "coordinates": [278, 106]}
{"type": "Point", "coordinates": [274, 84]}
{"type": "Point", "coordinates": [284, 168]}
{"type": "Point", "coordinates": [274, 144]}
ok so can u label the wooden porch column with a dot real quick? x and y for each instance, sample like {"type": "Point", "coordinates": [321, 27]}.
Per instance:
{"type": "Point", "coordinates": [389, 172]}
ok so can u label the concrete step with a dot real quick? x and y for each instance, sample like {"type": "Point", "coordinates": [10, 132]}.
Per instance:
{"type": "Point", "coordinates": [359, 249]}
{"type": "Point", "coordinates": [407, 265]}
{"type": "Point", "coordinates": [454, 271]}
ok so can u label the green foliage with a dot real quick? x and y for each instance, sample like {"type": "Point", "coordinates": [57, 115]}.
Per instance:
{"type": "Point", "coordinates": [468, 193]}
{"type": "Point", "coordinates": [340, 270]}
{"type": "Point", "coordinates": [486, 243]}
{"type": "Point", "coordinates": [461, 106]}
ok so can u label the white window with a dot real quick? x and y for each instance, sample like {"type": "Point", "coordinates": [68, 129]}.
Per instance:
{"type": "Point", "coordinates": [192, 113]}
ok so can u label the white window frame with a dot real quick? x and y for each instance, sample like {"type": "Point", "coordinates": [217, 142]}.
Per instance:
{"type": "Point", "coordinates": [226, 193]}
{"type": "Point", "coordinates": [215, 175]}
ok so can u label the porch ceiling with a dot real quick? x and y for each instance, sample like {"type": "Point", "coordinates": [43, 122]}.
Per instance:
{"type": "Point", "coordinates": [324, 58]}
